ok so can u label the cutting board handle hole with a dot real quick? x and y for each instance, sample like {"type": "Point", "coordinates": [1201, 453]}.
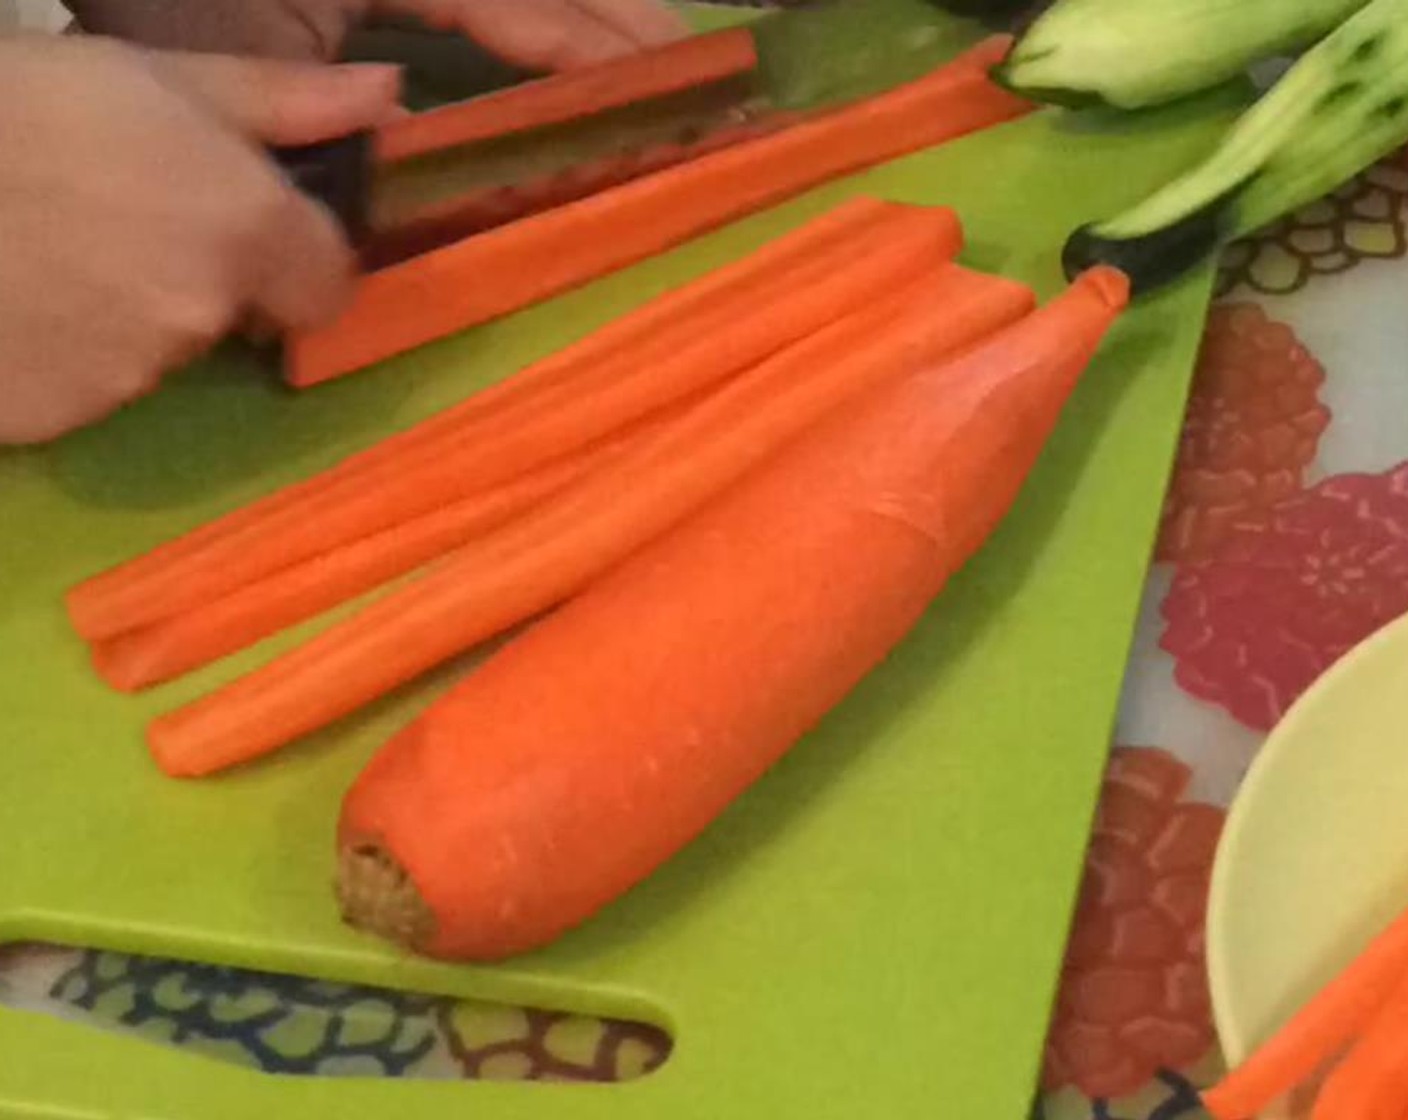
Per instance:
{"type": "Point", "coordinates": [290, 1026]}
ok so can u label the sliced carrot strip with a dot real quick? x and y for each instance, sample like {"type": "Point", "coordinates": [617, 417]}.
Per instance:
{"type": "Point", "coordinates": [1372, 1082]}
{"type": "Point", "coordinates": [688, 64]}
{"type": "Point", "coordinates": [676, 364]}
{"type": "Point", "coordinates": [446, 291]}
{"type": "Point", "coordinates": [433, 225]}
{"type": "Point", "coordinates": [752, 277]}
{"type": "Point", "coordinates": [535, 563]}
{"type": "Point", "coordinates": [167, 649]}
{"type": "Point", "coordinates": [1318, 1031]}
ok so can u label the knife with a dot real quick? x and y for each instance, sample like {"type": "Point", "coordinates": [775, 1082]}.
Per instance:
{"type": "Point", "coordinates": [398, 199]}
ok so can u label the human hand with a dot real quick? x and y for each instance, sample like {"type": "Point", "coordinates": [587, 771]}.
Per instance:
{"type": "Point", "coordinates": [536, 34]}
{"type": "Point", "coordinates": [140, 221]}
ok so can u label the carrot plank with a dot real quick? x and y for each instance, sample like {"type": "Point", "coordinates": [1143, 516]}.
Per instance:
{"type": "Point", "coordinates": [751, 278]}
{"type": "Point", "coordinates": [448, 611]}
{"type": "Point", "coordinates": [1372, 1082]}
{"type": "Point", "coordinates": [442, 292]}
{"type": "Point", "coordinates": [676, 364]}
{"type": "Point", "coordinates": [1319, 1030]}
{"type": "Point", "coordinates": [677, 681]}
{"type": "Point", "coordinates": [673, 68]}
{"type": "Point", "coordinates": [434, 225]}
{"type": "Point", "coordinates": [181, 643]}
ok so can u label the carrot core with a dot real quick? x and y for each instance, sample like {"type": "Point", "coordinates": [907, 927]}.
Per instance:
{"type": "Point", "coordinates": [376, 895]}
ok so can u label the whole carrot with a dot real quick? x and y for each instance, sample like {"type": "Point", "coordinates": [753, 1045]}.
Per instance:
{"type": "Point", "coordinates": [591, 749]}
{"type": "Point", "coordinates": [534, 563]}
{"type": "Point", "coordinates": [673, 366]}
{"type": "Point", "coordinates": [442, 292]}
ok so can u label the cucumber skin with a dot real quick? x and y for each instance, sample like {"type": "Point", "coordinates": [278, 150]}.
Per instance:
{"type": "Point", "coordinates": [1070, 51]}
{"type": "Point", "coordinates": [1153, 260]}
{"type": "Point", "coordinates": [1338, 110]}
{"type": "Point", "coordinates": [1063, 98]}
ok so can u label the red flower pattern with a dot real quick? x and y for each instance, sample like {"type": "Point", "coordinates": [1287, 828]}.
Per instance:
{"type": "Point", "coordinates": [1134, 996]}
{"type": "Point", "coordinates": [1253, 426]}
{"type": "Point", "coordinates": [1292, 590]}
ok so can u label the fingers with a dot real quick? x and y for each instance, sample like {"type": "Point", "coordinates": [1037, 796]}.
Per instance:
{"type": "Point", "coordinates": [284, 103]}
{"type": "Point", "coordinates": [304, 270]}
{"type": "Point", "coordinates": [542, 34]}
{"type": "Point", "coordinates": [534, 34]}
{"type": "Point", "coordinates": [297, 269]}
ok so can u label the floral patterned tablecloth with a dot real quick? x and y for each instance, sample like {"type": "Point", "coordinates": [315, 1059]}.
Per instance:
{"type": "Point", "coordinates": [1284, 543]}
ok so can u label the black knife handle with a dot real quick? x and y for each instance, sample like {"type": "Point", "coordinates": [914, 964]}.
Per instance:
{"type": "Point", "coordinates": [338, 173]}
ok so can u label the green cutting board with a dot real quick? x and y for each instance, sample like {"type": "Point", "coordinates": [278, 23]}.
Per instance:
{"type": "Point", "coordinates": [875, 930]}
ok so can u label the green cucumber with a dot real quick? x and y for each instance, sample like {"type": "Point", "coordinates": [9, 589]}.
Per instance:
{"type": "Point", "coordinates": [1133, 53]}
{"type": "Point", "coordinates": [1339, 109]}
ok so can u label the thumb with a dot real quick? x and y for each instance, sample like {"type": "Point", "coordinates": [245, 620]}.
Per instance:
{"type": "Point", "coordinates": [284, 103]}
{"type": "Point", "coordinates": [303, 275]}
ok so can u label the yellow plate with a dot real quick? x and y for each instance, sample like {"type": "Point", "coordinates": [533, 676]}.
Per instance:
{"type": "Point", "coordinates": [1314, 858]}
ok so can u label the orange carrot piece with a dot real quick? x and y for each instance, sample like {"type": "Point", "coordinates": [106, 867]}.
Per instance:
{"type": "Point", "coordinates": [752, 277]}
{"type": "Point", "coordinates": [444, 291]}
{"type": "Point", "coordinates": [534, 564]}
{"type": "Point", "coordinates": [1319, 1030]}
{"type": "Point", "coordinates": [1371, 1083]}
{"type": "Point", "coordinates": [682, 677]}
{"type": "Point", "coordinates": [177, 645]}
{"type": "Point", "coordinates": [434, 225]}
{"type": "Point", "coordinates": [673, 68]}
{"type": "Point", "coordinates": [676, 364]}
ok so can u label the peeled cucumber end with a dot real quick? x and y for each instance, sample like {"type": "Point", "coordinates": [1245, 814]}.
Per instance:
{"type": "Point", "coordinates": [1063, 96]}
{"type": "Point", "coordinates": [1150, 260]}
{"type": "Point", "coordinates": [1342, 106]}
